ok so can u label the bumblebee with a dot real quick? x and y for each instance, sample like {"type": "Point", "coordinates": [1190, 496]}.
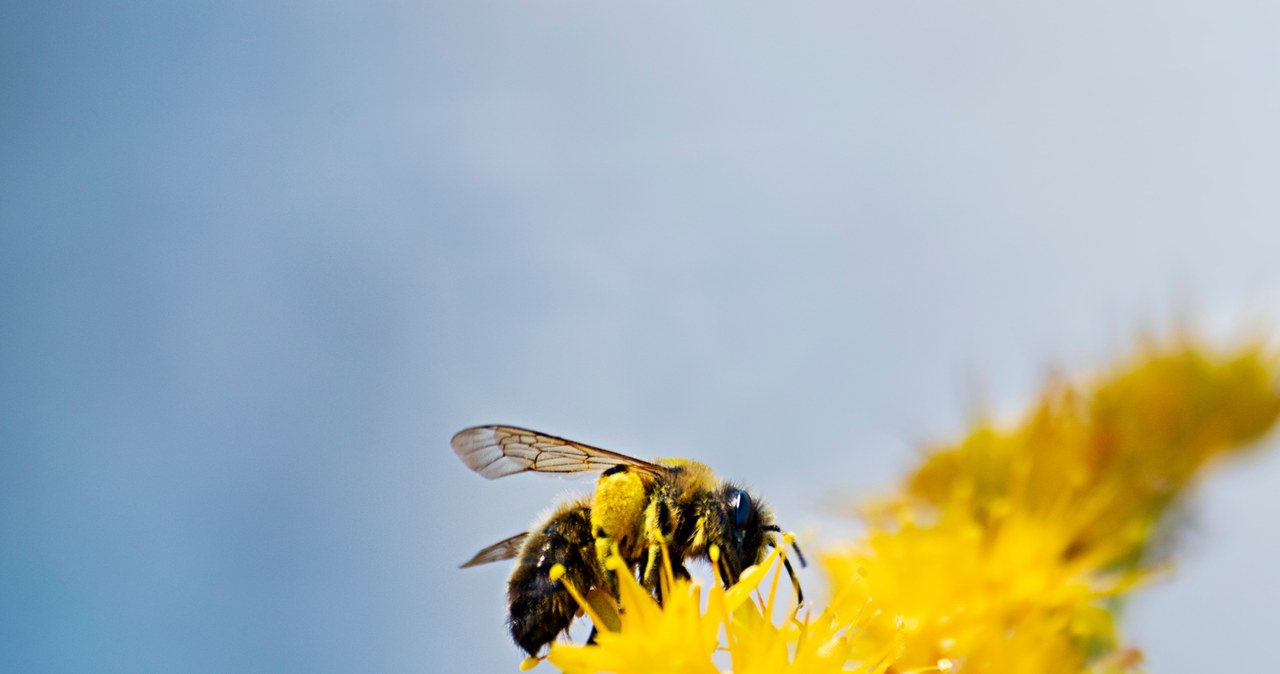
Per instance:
{"type": "Point", "coordinates": [638, 508]}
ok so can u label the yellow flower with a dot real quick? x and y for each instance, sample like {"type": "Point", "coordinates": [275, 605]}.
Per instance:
{"type": "Point", "coordinates": [673, 637]}
{"type": "Point", "coordinates": [991, 601]}
{"type": "Point", "coordinates": [1005, 552]}
{"type": "Point", "coordinates": [679, 636]}
{"type": "Point", "coordinates": [1104, 463]}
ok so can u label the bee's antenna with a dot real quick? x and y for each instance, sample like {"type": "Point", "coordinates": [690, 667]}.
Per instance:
{"type": "Point", "coordinates": [799, 555]}
{"type": "Point", "coordinates": [794, 546]}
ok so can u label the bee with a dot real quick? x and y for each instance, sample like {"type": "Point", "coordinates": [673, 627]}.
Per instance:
{"type": "Point", "coordinates": [637, 508]}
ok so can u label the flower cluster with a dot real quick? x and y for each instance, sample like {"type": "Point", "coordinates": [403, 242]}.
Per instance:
{"type": "Point", "coordinates": [1006, 552]}
{"type": "Point", "coordinates": [681, 636]}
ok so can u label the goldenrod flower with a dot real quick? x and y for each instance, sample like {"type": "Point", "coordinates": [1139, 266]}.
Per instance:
{"type": "Point", "coordinates": [679, 636]}
{"type": "Point", "coordinates": [1003, 550]}
{"type": "Point", "coordinates": [1103, 463]}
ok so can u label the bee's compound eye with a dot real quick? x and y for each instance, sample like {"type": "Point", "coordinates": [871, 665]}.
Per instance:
{"type": "Point", "coordinates": [741, 505]}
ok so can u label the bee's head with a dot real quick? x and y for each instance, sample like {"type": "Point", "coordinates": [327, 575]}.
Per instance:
{"type": "Point", "coordinates": [747, 529]}
{"type": "Point", "coordinates": [744, 520]}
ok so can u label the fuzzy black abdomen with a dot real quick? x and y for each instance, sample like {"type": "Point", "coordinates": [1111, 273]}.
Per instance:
{"type": "Point", "coordinates": [540, 608]}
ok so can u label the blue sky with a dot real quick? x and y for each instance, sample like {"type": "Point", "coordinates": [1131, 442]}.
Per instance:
{"type": "Point", "coordinates": [258, 263]}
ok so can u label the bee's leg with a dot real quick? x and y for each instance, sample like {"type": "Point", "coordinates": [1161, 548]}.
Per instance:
{"type": "Point", "coordinates": [658, 527]}
{"type": "Point", "coordinates": [617, 508]}
{"type": "Point", "coordinates": [606, 547]}
{"type": "Point", "coordinates": [653, 571]}
{"type": "Point", "coordinates": [649, 577]}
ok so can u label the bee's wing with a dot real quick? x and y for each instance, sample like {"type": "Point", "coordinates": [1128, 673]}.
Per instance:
{"type": "Point", "coordinates": [499, 551]}
{"type": "Point", "coordinates": [498, 451]}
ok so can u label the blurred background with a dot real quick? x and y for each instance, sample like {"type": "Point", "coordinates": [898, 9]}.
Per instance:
{"type": "Point", "coordinates": [260, 261]}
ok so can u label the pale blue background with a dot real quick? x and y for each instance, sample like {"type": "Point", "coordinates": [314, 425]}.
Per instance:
{"type": "Point", "coordinates": [258, 263]}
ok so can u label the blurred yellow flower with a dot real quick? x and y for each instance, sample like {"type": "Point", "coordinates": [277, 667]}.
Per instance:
{"type": "Point", "coordinates": [1103, 463]}
{"type": "Point", "coordinates": [1004, 552]}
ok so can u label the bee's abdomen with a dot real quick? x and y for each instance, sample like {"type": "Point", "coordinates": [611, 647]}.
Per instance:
{"type": "Point", "coordinates": [541, 608]}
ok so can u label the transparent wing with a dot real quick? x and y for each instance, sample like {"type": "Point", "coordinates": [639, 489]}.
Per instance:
{"type": "Point", "coordinates": [498, 451]}
{"type": "Point", "coordinates": [507, 549]}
